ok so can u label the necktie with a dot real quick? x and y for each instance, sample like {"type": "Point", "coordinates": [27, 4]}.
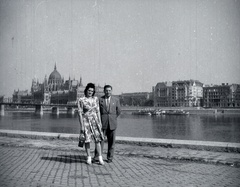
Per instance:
{"type": "Point", "coordinates": [108, 103]}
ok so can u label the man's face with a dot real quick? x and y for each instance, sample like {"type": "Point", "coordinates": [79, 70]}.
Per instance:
{"type": "Point", "coordinates": [108, 92]}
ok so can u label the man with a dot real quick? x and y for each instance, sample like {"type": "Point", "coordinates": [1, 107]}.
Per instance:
{"type": "Point", "coordinates": [109, 109]}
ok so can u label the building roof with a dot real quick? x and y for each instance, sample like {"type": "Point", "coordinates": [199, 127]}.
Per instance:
{"type": "Point", "coordinates": [164, 84]}
{"type": "Point", "coordinates": [55, 75]}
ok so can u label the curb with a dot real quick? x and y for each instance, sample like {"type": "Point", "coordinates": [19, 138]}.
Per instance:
{"type": "Point", "coordinates": [173, 143]}
{"type": "Point", "coordinates": [166, 143]}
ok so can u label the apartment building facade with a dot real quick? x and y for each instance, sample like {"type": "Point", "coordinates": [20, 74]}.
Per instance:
{"type": "Point", "coordinates": [224, 95]}
{"type": "Point", "coordinates": [185, 93]}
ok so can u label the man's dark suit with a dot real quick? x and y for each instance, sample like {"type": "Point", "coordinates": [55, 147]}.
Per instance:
{"type": "Point", "coordinates": [109, 116]}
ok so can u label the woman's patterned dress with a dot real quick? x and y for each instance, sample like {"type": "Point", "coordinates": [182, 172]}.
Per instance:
{"type": "Point", "coordinates": [89, 107]}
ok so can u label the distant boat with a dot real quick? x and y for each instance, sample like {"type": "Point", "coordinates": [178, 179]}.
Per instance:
{"type": "Point", "coordinates": [142, 112]}
{"type": "Point", "coordinates": [175, 112]}
{"type": "Point", "coordinates": [157, 112]}
{"type": "Point", "coordinates": [160, 112]}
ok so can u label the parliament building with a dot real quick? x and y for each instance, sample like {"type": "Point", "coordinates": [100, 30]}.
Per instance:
{"type": "Point", "coordinates": [53, 90]}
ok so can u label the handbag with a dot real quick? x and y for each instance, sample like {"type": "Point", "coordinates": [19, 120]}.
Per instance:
{"type": "Point", "coordinates": [81, 140]}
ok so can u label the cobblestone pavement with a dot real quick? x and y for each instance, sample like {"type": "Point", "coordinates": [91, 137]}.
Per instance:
{"type": "Point", "coordinates": [227, 158]}
{"type": "Point", "coordinates": [26, 162]}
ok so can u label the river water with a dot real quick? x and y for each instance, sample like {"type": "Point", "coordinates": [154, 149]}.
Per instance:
{"type": "Point", "coordinates": [220, 127]}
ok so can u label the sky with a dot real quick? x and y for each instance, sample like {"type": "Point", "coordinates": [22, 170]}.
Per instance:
{"type": "Point", "coordinates": [129, 44]}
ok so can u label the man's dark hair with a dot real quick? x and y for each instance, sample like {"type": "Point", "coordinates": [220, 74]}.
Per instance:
{"type": "Point", "coordinates": [107, 86]}
{"type": "Point", "coordinates": [89, 85]}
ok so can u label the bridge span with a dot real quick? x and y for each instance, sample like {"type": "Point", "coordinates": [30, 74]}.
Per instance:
{"type": "Point", "coordinates": [39, 107]}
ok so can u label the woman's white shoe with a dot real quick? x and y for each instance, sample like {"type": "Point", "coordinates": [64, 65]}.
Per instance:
{"type": "Point", "coordinates": [101, 160]}
{"type": "Point", "coordinates": [89, 160]}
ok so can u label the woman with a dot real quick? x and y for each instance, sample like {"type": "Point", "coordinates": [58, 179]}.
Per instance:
{"type": "Point", "coordinates": [90, 121]}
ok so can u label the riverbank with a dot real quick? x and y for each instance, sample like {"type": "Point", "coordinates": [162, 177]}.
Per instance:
{"type": "Point", "coordinates": [191, 110]}
{"type": "Point", "coordinates": [130, 109]}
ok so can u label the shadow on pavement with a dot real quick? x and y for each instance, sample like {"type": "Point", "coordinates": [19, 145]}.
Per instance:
{"type": "Point", "coordinates": [66, 158]}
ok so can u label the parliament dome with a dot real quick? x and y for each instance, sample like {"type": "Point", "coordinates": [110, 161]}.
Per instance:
{"type": "Point", "coordinates": [55, 75]}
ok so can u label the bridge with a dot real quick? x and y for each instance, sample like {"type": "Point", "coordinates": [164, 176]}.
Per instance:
{"type": "Point", "coordinates": [39, 107]}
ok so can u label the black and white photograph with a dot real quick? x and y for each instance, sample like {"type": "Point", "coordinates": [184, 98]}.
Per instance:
{"type": "Point", "coordinates": [120, 93]}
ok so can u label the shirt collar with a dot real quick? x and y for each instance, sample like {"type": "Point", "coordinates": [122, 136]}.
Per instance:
{"type": "Point", "coordinates": [108, 98]}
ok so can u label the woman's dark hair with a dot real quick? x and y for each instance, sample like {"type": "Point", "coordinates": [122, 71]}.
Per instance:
{"type": "Point", "coordinates": [89, 85]}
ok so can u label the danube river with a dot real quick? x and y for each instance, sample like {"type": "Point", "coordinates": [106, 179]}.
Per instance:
{"type": "Point", "coordinates": [203, 127]}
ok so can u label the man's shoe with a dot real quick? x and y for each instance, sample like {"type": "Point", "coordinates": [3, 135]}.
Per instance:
{"type": "Point", "coordinates": [95, 160]}
{"type": "Point", "coordinates": [109, 160]}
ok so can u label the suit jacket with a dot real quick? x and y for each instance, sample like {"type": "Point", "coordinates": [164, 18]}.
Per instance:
{"type": "Point", "coordinates": [109, 114]}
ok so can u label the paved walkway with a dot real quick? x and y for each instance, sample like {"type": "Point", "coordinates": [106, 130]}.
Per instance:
{"type": "Point", "coordinates": [57, 162]}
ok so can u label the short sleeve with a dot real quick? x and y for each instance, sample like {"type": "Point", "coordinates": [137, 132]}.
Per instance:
{"type": "Point", "coordinates": [97, 103]}
{"type": "Point", "coordinates": [80, 105]}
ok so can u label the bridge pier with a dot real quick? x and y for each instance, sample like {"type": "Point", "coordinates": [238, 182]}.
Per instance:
{"type": "Point", "coordinates": [2, 110]}
{"type": "Point", "coordinates": [39, 109]}
{"type": "Point", "coordinates": [55, 110]}
{"type": "Point", "coordinates": [70, 110]}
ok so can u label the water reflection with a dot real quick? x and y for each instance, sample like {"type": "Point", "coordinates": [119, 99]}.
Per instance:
{"type": "Point", "coordinates": [170, 126]}
{"type": "Point", "coordinates": [225, 128]}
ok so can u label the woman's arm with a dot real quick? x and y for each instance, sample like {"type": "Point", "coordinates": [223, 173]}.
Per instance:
{"type": "Point", "coordinates": [80, 110]}
{"type": "Point", "coordinates": [98, 112]}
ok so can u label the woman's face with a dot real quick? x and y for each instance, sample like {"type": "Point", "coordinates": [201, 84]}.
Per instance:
{"type": "Point", "coordinates": [90, 92]}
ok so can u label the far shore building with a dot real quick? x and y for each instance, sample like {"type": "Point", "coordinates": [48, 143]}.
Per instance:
{"type": "Point", "coordinates": [235, 95]}
{"type": "Point", "coordinates": [4, 99]}
{"type": "Point", "coordinates": [22, 96]}
{"type": "Point", "coordinates": [136, 99]}
{"type": "Point", "coordinates": [54, 90]}
{"type": "Point", "coordinates": [162, 94]}
{"type": "Point", "coordinates": [186, 93]}
{"type": "Point", "coordinates": [1, 98]}
{"type": "Point", "coordinates": [224, 95]}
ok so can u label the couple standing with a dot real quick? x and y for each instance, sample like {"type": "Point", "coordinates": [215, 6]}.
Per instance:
{"type": "Point", "coordinates": [98, 119]}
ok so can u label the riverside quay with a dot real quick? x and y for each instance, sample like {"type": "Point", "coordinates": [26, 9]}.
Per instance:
{"type": "Point", "coordinates": [53, 159]}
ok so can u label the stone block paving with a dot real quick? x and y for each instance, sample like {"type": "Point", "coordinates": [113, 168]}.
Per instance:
{"type": "Point", "coordinates": [228, 158]}
{"type": "Point", "coordinates": [26, 162]}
